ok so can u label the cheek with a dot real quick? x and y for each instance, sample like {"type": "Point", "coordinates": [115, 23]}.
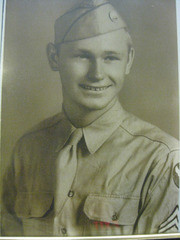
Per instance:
{"type": "Point", "coordinates": [117, 72]}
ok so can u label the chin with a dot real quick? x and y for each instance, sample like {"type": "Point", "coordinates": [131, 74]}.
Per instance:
{"type": "Point", "coordinates": [96, 105]}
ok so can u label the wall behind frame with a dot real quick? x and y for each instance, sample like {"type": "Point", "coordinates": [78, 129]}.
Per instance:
{"type": "Point", "coordinates": [32, 92]}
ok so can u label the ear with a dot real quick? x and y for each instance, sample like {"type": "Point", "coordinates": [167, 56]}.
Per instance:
{"type": "Point", "coordinates": [52, 57]}
{"type": "Point", "coordinates": [130, 60]}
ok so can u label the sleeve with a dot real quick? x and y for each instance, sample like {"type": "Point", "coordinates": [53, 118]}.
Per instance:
{"type": "Point", "coordinates": [11, 224]}
{"type": "Point", "coordinates": [159, 208]}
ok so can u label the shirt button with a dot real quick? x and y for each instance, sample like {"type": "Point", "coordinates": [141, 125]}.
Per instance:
{"type": "Point", "coordinates": [63, 230]}
{"type": "Point", "coordinates": [70, 193]}
{"type": "Point", "coordinates": [114, 217]}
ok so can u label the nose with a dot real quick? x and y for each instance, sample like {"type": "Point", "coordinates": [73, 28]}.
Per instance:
{"type": "Point", "coordinates": [96, 71]}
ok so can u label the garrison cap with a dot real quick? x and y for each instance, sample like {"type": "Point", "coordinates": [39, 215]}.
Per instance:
{"type": "Point", "coordinates": [88, 19]}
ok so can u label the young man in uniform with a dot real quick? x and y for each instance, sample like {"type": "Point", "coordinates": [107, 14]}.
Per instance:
{"type": "Point", "coordinates": [94, 169]}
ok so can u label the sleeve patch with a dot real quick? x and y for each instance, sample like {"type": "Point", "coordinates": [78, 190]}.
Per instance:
{"type": "Point", "coordinates": [176, 174]}
{"type": "Point", "coordinates": [171, 223]}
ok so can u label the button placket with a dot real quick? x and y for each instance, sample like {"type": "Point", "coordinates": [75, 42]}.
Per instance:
{"type": "Point", "coordinates": [69, 194]}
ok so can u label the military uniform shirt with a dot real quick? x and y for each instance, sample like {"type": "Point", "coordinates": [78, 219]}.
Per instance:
{"type": "Point", "coordinates": [126, 181]}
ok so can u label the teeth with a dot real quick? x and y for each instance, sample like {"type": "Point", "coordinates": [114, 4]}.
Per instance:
{"type": "Point", "coordinates": [93, 88]}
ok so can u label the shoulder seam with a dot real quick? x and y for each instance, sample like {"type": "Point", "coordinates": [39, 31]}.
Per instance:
{"type": "Point", "coordinates": [140, 135]}
{"type": "Point", "coordinates": [41, 128]}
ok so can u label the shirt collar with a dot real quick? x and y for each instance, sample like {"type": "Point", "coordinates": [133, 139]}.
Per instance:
{"type": "Point", "coordinates": [97, 132]}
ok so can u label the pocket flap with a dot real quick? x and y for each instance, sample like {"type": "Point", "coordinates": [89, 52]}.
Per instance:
{"type": "Point", "coordinates": [112, 209]}
{"type": "Point", "coordinates": [33, 204]}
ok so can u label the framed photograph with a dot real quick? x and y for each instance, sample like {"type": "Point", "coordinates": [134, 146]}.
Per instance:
{"type": "Point", "coordinates": [90, 119]}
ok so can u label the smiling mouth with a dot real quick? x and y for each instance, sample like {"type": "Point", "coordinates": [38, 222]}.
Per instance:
{"type": "Point", "coordinates": [86, 87]}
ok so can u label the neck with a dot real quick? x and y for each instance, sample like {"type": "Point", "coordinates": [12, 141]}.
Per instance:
{"type": "Point", "coordinates": [81, 116]}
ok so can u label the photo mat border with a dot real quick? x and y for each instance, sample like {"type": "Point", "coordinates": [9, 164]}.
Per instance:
{"type": "Point", "coordinates": [147, 236]}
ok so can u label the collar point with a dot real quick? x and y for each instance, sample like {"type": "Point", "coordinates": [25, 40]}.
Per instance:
{"type": "Point", "coordinates": [91, 150]}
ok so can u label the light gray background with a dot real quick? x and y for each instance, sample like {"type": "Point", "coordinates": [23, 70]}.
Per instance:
{"type": "Point", "coordinates": [31, 92]}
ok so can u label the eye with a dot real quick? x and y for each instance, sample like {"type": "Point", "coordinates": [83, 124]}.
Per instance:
{"type": "Point", "coordinates": [111, 58]}
{"type": "Point", "coordinates": [82, 56]}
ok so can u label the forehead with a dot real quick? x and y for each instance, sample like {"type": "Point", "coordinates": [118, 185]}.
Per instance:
{"type": "Point", "coordinates": [115, 41]}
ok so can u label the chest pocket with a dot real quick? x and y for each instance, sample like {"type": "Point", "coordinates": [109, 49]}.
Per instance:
{"type": "Point", "coordinates": [35, 204]}
{"type": "Point", "coordinates": [112, 209]}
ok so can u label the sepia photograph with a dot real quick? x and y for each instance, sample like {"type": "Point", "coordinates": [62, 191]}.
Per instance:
{"type": "Point", "coordinates": [89, 119]}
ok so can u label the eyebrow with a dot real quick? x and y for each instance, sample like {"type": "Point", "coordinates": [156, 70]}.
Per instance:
{"type": "Point", "coordinates": [82, 51]}
{"type": "Point", "coordinates": [112, 52]}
